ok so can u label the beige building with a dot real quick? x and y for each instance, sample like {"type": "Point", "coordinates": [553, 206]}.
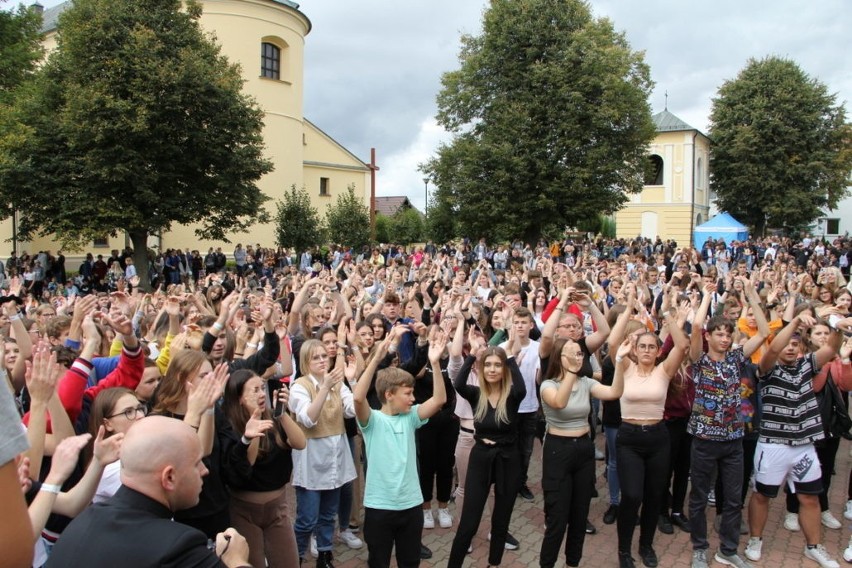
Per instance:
{"type": "Point", "coordinates": [676, 196]}
{"type": "Point", "coordinates": [267, 39]}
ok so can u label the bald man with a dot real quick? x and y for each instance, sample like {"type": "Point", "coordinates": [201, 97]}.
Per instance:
{"type": "Point", "coordinates": [161, 473]}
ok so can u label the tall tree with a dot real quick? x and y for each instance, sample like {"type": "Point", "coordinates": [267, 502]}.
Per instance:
{"type": "Point", "coordinates": [551, 121]}
{"type": "Point", "coordinates": [782, 149]}
{"type": "Point", "coordinates": [135, 122]}
{"type": "Point", "coordinates": [20, 47]}
{"type": "Point", "coordinates": [347, 221]}
{"type": "Point", "coordinates": [297, 222]}
{"type": "Point", "coordinates": [407, 226]}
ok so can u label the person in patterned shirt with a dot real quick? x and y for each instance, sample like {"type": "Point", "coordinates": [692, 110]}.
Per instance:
{"type": "Point", "coordinates": [789, 426]}
{"type": "Point", "coordinates": [716, 424]}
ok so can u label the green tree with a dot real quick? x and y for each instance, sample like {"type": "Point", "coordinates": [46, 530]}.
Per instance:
{"type": "Point", "coordinates": [782, 149]}
{"type": "Point", "coordinates": [20, 48]}
{"type": "Point", "coordinates": [297, 222]}
{"type": "Point", "coordinates": [135, 122]}
{"type": "Point", "coordinates": [347, 221]}
{"type": "Point", "coordinates": [407, 227]}
{"type": "Point", "coordinates": [384, 228]}
{"type": "Point", "coordinates": [551, 121]}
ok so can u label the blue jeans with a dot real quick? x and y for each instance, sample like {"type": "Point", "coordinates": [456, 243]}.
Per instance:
{"type": "Point", "coordinates": [316, 512]}
{"type": "Point", "coordinates": [612, 465]}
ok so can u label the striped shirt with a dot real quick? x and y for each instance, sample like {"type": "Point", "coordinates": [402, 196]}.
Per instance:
{"type": "Point", "coordinates": [790, 410]}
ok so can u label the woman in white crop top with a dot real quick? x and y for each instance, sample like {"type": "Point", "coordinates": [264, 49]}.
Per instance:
{"type": "Point", "coordinates": [642, 445]}
{"type": "Point", "coordinates": [568, 472]}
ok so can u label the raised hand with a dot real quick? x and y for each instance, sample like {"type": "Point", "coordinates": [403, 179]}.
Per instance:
{"type": "Point", "coordinates": [256, 426]}
{"type": "Point", "coordinates": [332, 378]}
{"type": "Point", "coordinates": [42, 374]}
{"type": "Point", "coordinates": [65, 458]}
{"type": "Point", "coordinates": [107, 450]}
{"type": "Point", "coordinates": [437, 344]}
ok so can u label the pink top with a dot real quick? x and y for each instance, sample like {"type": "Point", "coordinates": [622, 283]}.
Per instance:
{"type": "Point", "coordinates": [644, 398]}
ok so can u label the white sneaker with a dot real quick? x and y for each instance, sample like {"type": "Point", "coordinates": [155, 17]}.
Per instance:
{"type": "Point", "coordinates": [753, 548]}
{"type": "Point", "coordinates": [847, 513]}
{"type": "Point", "coordinates": [791, 522]}
{"type": "Point", "coordinates": [445, 519]}
{"type": "Point", "coordinates": [847, 554]}
{"type": "Point", "coordinates": [314, 551]}
{"type": "Point", "coordinates": [828, 521]}
{"type": "Point", "coordinates": [821, 557]}
{"type": "Point", "coordinates": [350, 540]}
{"type": "Point", "coordinates": [428, 519]}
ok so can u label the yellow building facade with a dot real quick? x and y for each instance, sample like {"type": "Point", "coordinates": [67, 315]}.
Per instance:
{"type": "Point", "coordinates": [676, 195]}
{"type": "Point", "coordinates": [267, 39]}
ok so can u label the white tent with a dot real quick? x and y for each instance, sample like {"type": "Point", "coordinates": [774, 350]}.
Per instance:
{"type": "Point", "coordinates": [722, 226]}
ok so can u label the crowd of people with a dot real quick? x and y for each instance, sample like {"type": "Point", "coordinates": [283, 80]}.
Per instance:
{"type": "Point", "coordinates": [397, 390]}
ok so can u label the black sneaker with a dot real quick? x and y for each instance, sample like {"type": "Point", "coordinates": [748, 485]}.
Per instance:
{"type": "Point", "coordinates": [425, 553]}
{"type": "Point", "coordinates": [511, 543]}
{"type": "Point", "coordinates": [611, 515]}
{"type": "Point", "coordinates": [665, 525]}
{"type": "Point", "coordinates": [625, 560]}
{"type": "Point", "coordinates": [590, 528]}
{"type": "Point", "coordinates": [648, 556]}
{"type": "Point", "coordinates": [682, 522]}
{"type": "Point", "coordinates": [525, 493]}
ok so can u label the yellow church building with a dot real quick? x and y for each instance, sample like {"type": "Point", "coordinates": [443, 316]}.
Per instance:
{"type": "Point", "coordinates": [267, 39]}
{"type": "Point", "coordinates": [676, 195]}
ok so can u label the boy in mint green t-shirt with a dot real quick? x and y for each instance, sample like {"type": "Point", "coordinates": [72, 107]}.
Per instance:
{"type": "Point", "coordinates": [392, 498]}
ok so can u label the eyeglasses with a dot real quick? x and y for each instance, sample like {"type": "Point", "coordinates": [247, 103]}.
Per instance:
{"type": "Point", "coordinates": [646, 346]}
{"type": "Point", "coordinates": [132, 413]}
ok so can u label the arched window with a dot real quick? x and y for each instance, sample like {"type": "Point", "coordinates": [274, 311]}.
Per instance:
{"type": "Point", "coordinates": [654, 172]}
{"type": "Point", "coordinates": [270, 61]}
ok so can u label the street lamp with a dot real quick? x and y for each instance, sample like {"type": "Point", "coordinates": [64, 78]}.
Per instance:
{"type": "Point", "coordinates": [426, 206]}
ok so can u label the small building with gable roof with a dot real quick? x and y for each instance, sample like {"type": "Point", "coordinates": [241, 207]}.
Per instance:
{"type": "Point", "coordinates": [676, 195]}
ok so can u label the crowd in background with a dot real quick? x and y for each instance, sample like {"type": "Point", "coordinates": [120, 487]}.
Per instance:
{"type": "Point", "coordinates": [285, 365]}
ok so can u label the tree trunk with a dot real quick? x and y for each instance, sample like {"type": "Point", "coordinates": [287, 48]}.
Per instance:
{"type": "Point", "coordinates": [139, 238]}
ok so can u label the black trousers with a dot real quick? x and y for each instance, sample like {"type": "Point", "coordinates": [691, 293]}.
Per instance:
{"type": "Point", "coordinates": [488, 464]}
{"type": "Point", "coordinates": [567, 478]}
{"type": "Point", "coordinates": [726, 458]}
{"type": "Point", "coordinates": [527, 424]}
{"type": "Point", "coordinates": [749, 447]}
{"type": "Point", "coordinates": [436, 455]}
{"type": "Point", "coordinates": [643, 466]}
{"type": "Point", "coordinates": [679, 458]}
{"type": "Point", "coordinates": [385, 529]}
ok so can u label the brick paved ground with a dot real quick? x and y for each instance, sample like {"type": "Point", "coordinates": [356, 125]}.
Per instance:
{"type": "Point", "coordinates": [781, 549]}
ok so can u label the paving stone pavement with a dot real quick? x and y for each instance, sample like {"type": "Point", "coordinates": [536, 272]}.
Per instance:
{"type": "Point", "coordinates": [781, 548]}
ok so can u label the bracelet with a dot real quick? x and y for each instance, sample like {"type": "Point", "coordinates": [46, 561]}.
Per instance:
{"type": "Point", "coordinates": [209, 412]}
{"type": "Point", "coordinates": [251, 345]}
{"type": "Point", "coordinates": [238, 354]}
{"type": "Point", "coordinates": [618, 359]}
{"type": "Point", "coordinates": [49, 488]}
{"type": "Point", "coordinates": [245, 440]}
{"type": "Point", "coordinates": [15, 317]}
{"type": "Point", "coordinates": [217, 326]}
{"type": "Point", "coordinates": [341, 345]}
{"type": "Point", "coordinates": [195, 427]}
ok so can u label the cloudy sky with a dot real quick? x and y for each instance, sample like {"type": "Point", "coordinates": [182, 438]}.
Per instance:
{"type": "Point", "coordinates": [373, 67]}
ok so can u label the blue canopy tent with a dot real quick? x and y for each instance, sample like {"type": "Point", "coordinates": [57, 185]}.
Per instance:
{"type": "Point", "coordinates": [722, 226]}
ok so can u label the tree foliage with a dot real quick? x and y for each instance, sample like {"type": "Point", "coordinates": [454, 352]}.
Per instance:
{"type": "Point", "coordinates": [782, 149]}
{"type": "Point", "coordinates": [384, 228]}
{"type": "Point", "coordinates": [297, 222]}
{"type": "Point", "coordinates": [20, 48]}
{"type": "Point", "coordinates": [407, 226]}
{"type": "Point", "coordinates": [550, 118]}
{"type": "Point", "coordinates": [347, 221]}
{"type": "Point", "coordinates": [135, 122]}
